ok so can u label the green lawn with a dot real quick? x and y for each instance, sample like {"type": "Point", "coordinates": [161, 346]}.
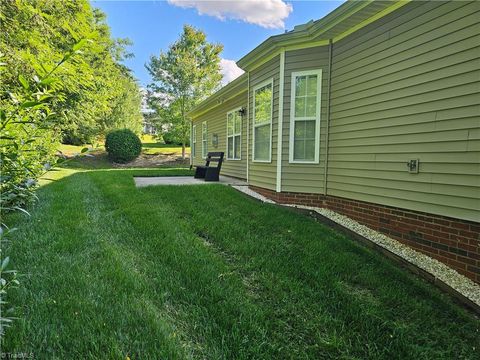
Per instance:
{"type": "Point", "coordinates": [71, 150]}
{"type": "Point", "coordinates": [204, 272]}
{"type": "Point", "coordinates": [156, 148]}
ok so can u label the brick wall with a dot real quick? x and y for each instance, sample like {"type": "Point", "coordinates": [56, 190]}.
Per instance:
{"type": "Point", "coordinates": [452, 241]}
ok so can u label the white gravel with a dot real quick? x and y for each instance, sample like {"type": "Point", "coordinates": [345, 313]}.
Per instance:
{"type": "Point", "coordinates": [254, 194]}
{"type": "Point", "coordinates": [444, 273]}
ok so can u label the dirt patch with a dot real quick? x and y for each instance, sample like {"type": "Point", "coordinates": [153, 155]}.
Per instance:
{"type": "Point", "coordinates": [146, 160]}
{"type": "Point", "coordinates": [99, 160]}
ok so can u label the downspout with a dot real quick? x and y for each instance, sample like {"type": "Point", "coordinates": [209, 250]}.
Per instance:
{"type": "Point", "coordinates": [248, 121]}
{"type": "Point", "coordinates": [191, 143]}
{"type": "Point", "coordinates": [280, 121]}
{"type": "Point", "coordinates": [327, 125]}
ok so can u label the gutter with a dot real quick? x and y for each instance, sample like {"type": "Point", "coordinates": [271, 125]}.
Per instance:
{"type": "Point", "coordinates": [248, 121]}
{"type": "Point", "coordinates": [280, 121]}
{"type": "Point", "coordinates": [327, 125]}
{"type": "Point", "coordinates": [229, 91]}
{"type": "Point", "coordinates": [191, 143]}
{"type": "Point", "coordinates": [304, 34]}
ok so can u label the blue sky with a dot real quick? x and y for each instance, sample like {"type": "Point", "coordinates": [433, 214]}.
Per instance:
{"type": "Point", "coordinates": [240, 26]}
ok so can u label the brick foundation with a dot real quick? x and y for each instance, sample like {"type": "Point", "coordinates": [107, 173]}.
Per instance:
{"type": "Point", "coordinates": [452, 241]}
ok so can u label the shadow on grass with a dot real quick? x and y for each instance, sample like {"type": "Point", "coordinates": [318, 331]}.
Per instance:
{"type": "Point", "coordinates": [97, 161]}
{"type": "Point", "coordinates": [61, 173]}
{"type": "Point", "coordinates": [117, 176]}
{"type": "Point", "coordinates": [159, 145]}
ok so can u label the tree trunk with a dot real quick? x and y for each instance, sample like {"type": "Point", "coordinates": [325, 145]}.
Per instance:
{"type": "Point", "coordinates": [183, 150]}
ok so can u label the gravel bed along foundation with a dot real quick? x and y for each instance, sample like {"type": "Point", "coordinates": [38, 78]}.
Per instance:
{"type": "Point", "coordinates": [254, 194]}
{"type": "Point", "coordinates": [438, 270]}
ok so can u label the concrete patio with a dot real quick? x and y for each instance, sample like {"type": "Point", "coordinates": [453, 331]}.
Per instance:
{"type": "Point", "coordinates": [184, 180]}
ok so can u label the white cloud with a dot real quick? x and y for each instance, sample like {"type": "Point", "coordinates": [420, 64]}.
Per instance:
{"type": "Point", "coordinates": [266, 13]}
{"type": "Point", "coordinates": [229, 70]}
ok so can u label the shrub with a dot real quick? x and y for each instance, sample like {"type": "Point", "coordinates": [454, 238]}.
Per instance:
{"type": "Point", "coordinates": [29, 139]}
{"type": "Point", "coordinates": [123, 145]}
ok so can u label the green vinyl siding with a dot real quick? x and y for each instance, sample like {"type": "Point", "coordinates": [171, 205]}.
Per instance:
{"type": "Point", "coordinates": [216, 119]}
{"type": "Point", "coordinates": [297, 177]}
{"type": "Point", "coordinates": [198, 149]}
{"type": "Point", "coordinates": [263, 174]}
{"type": "Point", "coordinates": [408, 87]}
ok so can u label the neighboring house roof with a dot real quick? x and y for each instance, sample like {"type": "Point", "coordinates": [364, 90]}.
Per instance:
{"type": "Point", "coordinates": [344, 20]}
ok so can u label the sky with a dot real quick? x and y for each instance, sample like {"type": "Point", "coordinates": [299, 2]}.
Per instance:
{"type": "Point", "coordinates": [240, 25]}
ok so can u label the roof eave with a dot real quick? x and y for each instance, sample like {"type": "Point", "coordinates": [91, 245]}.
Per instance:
{"type": "Point", "coordinates": [233, 88]}
{"type": "Point", "coordinates": [311, 32]}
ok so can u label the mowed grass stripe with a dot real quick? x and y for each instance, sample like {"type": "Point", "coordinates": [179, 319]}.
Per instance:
{"type": "Point", "coordinates": [322, 289]}
{"type": "Point", "coordinates": [205, 272]}
{"type": "Point", "coordinates": [206, 297]}
{"type": "Point", "coordinates": [83, 296]}
{"type": "Point", "coordinates": [211, 210]}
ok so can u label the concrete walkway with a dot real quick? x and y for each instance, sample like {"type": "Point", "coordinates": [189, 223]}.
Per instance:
{"type": "Point", "coordinates": [184, 180]}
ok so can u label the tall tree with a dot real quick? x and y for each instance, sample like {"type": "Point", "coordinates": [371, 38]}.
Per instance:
{"type": "Point", "coordinates": [185, 74]}
{"type": "Point", "coordinates": [37, 33]}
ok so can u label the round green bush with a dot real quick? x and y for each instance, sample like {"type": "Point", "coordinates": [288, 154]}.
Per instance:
{"type": "Point", "coordinates": [122, 145]}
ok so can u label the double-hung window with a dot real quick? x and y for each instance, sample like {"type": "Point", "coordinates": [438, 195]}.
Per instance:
{"type": "Point", "coordinates": [262, 122]}
{"type": "Point", "coordinates": [234, 131]}
{"type": "Point", "coordinates": [194, 140]}
{"type": "Point", "coordinates": [305, 116]}
{"type": "Point", "coordinates": [204, 140]}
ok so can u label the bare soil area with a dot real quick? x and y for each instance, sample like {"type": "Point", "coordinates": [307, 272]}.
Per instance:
{"type": "Point", "coordinates": [99, 160]}
{"type": "Point", "coordinates": [146, 160]}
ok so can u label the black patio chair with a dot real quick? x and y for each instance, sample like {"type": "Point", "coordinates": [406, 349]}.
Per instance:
{"type": "Point", "coordinates": [208, 172]}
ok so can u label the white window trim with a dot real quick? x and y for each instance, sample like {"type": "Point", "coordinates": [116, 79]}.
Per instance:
{"type": "Point", "coordinates": [234, 134]}
{"type": "Point", "coordinates": [194, 141]}
{"type": "Point", "coordinates": [262, 84]}
{"type": "Point", "coordinates": [317, 72]}
{"type": "Point", "coordinates": [204, 123]}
